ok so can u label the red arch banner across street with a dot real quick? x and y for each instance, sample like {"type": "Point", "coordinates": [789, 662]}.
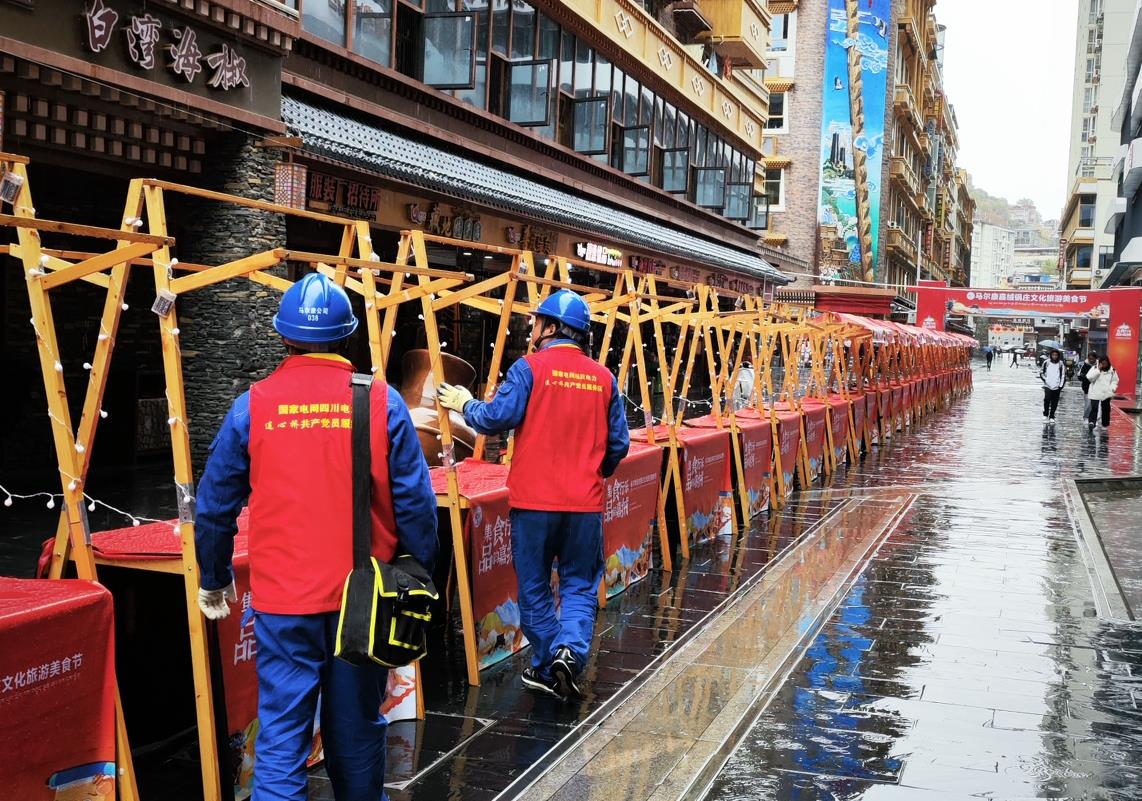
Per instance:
{"type": "Point", "coordinates": [1119, 307]}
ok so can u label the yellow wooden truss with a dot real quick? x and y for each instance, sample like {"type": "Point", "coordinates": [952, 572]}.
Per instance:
{"type": "Point", "coordinates": [354, 265]}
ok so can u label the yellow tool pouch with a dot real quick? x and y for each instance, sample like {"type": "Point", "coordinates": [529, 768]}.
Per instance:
{"type": "Point", "coordinates": [385, 608]}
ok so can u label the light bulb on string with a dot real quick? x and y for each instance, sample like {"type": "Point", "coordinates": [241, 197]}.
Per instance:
{"type": "Point", "coordinates": [103, 414]}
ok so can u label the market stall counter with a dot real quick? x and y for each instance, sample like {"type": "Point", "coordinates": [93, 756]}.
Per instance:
{"type": "Point", "coordinates": [704, 462]}
{"type": "Point", "coordinates": [787, 447]}
{"type": "Point", "coordinates": [57, 690]}
{"type": "Point", "coordinates": [756, 449]}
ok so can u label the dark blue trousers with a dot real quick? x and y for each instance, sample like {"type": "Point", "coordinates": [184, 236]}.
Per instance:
{"type": "Point", "coordinates": [295, 662]}
{"type": "Point", "coordinates": [576, 540]}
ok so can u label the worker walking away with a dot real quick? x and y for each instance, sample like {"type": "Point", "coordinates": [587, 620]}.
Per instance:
{"type": "Point", "coordinates": [285, 444]}
{"type": "Point", "coordinates": [570, 434]}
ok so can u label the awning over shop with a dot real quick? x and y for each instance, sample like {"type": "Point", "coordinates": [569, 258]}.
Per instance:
{"type": "Point", "coordinates": [350, 141]}
{"type": "Point", "coordinates": [885, 331]}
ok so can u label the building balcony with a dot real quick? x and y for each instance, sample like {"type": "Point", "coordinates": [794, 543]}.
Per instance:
{"type": "Point", "coordinates": [640, 37]}
{"type": "Point", "coordinates": [904, 103]}
{"type": "Point", "coordinates": [1078, 279]}
{"type": "Point", "coordinates": [1116, 213]}
{"type": "Point", "coordinates": [907, 24]}
{"type": "Point", "coordinates": [902, 172]}
{"type": "Point", "coordinates": [739, 30]}
{"type": "Point", "coordinates": [1132, 168]}
{"type": "Point", "coordinates": [900, 244]}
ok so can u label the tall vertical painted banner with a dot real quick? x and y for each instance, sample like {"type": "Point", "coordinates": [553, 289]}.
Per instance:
{"type": "Point", "coordinates": [852, 135]}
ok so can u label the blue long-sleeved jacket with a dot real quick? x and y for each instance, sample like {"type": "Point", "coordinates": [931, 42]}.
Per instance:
{"type": "Point", "coordinates": [507, 408]}
{"type": "Point", "coordinates": [225, 487]}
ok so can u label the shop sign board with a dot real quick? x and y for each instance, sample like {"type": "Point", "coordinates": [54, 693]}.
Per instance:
{"type": "Point", "coordinates": [647, 265]}
{"type": "Point", "coordinates": [343, 197]}
{"type": "Point", "coordinates": [169, 50]}
{"type": "Point", "coordinates": [599, 254]}
{"type": "Point", "coordinates": [732, 282]}
{"type": "Point", "coordinates": [457, 225]}
{"type": "Point", "coordinates": [531, 237]}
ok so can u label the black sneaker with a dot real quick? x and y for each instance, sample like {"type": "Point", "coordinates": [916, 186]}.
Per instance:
{"type": "Point", "coordinates": [564, 668]}
{"type": "Point", "coordinates": [533, 681]}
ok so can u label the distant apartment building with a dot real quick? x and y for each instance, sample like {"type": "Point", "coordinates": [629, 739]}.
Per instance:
{"type": "Point", "coordinates": [1087, 236]}
{"type": "Point", "coordinates": [992, 255]}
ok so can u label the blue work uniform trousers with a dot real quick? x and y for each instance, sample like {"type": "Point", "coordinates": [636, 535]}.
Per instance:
{"type": "Point", "coordinates": [295, 662]}
{"type": "Point", "coordinates": [576, 540]}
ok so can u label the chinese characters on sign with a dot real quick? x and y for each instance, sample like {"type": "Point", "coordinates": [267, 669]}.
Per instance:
{"type": "Point", "coordinates": [599, 254]}
{"type": "Point", "coordinates": [143, 35]}
{"type": "Point", "coordinates": [346, 198]}
{"type": "Point", "coordinates": [531, 237]}
{"type": "Point", "coordinates": [100, 25]}
{"type": "Point", "coordinates": [289, 184]}
{"type": "Point", "coordinates": [311, 415]}
{"type": "Point", "coordinates": [572, 380]}
{"type": "Point", "coordinates": [496, 549]}
{"type": "Point", "coordinates": [1027, 297]}
{"type": "Point", "coordinates": [643, 264]}
{"type": "Point", "coordinates": [247, 647]}
{"type": "Point", "coordinates": [35, 674]}
{"type": "Point", "coordinates": [618, 500]}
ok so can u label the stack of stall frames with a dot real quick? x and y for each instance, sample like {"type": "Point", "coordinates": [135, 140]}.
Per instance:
{"type": "Point", "coordinates": [47, 269]}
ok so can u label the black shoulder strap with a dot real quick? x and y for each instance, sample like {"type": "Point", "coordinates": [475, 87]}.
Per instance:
{"type": "Point", "coordinates": [362, 385]}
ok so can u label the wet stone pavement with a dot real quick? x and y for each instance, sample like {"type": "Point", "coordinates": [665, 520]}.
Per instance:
{"type": "Point", "coordinates": [967, 660]}
{"type": "Point", "coordinates": [958, 655]}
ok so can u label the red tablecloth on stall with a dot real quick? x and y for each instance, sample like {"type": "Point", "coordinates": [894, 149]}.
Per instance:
{"type": "Point", "coordinates": [788, 438]}
{"type": "Point", "coordinates": [705, 465]}
{"type": "Point", "coordinates": [839, 425]}
{"type": "Point", "coordinates": [756, 453]}
{"type": "Point", "coordinates": [57, 690]}
{"type": "Point", "coordinates": [897, 419]}
{"type": "Point", "coordinates": [816, 418]}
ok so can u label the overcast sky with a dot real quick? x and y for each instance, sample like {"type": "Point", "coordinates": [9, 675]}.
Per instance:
{"type": "Point", "coordinates": [1009, 73]}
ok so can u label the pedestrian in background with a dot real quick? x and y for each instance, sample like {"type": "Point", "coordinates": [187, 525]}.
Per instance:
{"type": "Point", "coordinates": [1014, 359]}
{"type": "Point", "coordinates": [743, 389]}
{"type": "Point", "coordinates": [1103, 384]}
{"type": "Point", "coordinates": [570, 434]}
{"type": "Point", "coordinates": [1053, 375]}
{"type": "Point", "coordinates": [988, 355]}
{"type": "Point", "coordinates": [296, 476]}
{"type": "Point", "coordinates": [1091, 361]}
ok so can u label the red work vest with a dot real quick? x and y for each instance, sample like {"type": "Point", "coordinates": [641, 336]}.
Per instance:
{"type": "Point", "coordinates": [560, 445]}
{"type": "Point", "coordinates": [301, 492]}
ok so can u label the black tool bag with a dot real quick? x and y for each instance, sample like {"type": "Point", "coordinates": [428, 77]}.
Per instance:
{"type": "Point", "coordinates": [385, 608]}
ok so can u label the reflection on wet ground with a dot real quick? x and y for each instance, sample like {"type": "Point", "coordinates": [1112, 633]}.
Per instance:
{"type": "Point", "coordinates": [1117, 514]}
{"type": "Point", "coordinates": [967, 661]}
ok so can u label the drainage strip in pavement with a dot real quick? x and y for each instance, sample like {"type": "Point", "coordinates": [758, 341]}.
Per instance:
{"type": "Point", "coordinates": [667, 738]}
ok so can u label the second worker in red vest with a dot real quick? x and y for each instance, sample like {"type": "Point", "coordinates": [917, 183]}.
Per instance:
{"type": "Point", "coordinates": [570, 433]}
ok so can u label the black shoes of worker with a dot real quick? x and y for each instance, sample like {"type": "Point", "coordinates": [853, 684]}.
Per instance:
{"type": "Point", "coordinates": [533, 681]}
{"type": "Point", "coordinates": [565, 670]}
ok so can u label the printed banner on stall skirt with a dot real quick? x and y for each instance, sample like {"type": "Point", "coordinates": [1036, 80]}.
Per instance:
{"type": "Point", "coordinates": [839, 427]}
{"type": "Point", "coordinates": [495, 602]}
{"type": "Point", "coordinates": [906, 400]}
{"type": "Point", "coordinates": [789, 446]}
{"type": "Point", "coordinates": [815, 422]}
{"type": "Point", "coordinates": [872, 416]}
{"type": "Point", "coordinates": [706, 483]}
{"type": "Point", "coordinates": [630, 516]}
{"type": "Point", "coordinates": [757, 462]}
{"type": "Point", "coordinates": [858, 421]}
{"type": "Point", "coordinates": [57, 690]}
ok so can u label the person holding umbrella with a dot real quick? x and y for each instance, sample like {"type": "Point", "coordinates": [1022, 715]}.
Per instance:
{"type": "Point", "coordinates": [1053, 376]}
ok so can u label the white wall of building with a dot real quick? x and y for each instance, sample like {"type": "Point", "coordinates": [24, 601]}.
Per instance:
{"type": "Point", "coordinates": [992, 255]}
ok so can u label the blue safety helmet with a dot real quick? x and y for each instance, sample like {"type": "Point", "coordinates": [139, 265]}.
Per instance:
{"type": "Point", "coordinates": [315, 309]}
{"type": "Point", "coordinates": [567, 308]}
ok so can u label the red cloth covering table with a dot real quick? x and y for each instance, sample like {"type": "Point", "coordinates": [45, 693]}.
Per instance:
{"type": "Point", "coordinates": [887, 415]}
{"type": "Point", "coordinates": [839, 426]}
{"type": "Point", "coordinates": [238, 648]}
{"type": "Point", "coordinates": [756, 449]}
{"type": "Point", "coordinates": [816, 414]}
{"type": "Point", "coordinates": [57, 690]}
{"type": "Point", "coordinates": [788, 438]}
{"type": "Point", "coordinates": [705, 465]}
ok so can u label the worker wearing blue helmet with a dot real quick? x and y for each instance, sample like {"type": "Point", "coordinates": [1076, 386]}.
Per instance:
{"type": "Point", "coordinates": [285, 445]}
{"type": "Point", "coordinates": [570, 433]}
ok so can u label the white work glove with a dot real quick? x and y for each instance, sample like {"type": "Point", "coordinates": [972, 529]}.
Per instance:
{"type": "Point", "coordinates": [213, 603]}
{"type": "Point", "coordinates": [452, 397]}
